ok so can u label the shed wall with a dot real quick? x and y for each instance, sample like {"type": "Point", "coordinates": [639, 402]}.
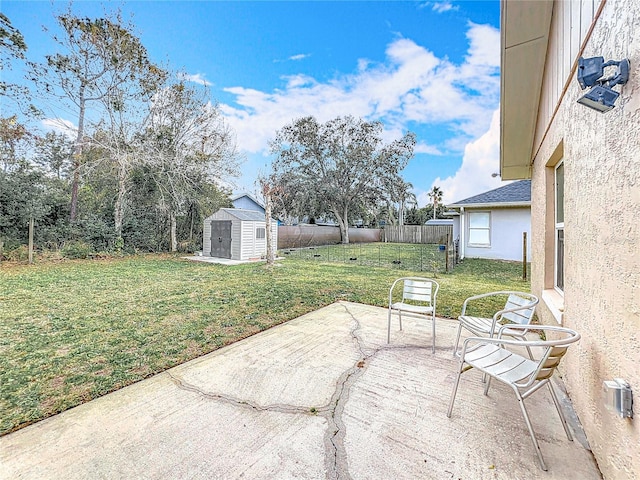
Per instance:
{"type": "Point", "coordinates": [244, 244]}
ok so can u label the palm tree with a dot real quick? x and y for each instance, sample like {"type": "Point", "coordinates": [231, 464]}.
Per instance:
{"type": "Point", "coordinates": [405, 196]}
{"type": "Point", "coordinates": [435, 194]}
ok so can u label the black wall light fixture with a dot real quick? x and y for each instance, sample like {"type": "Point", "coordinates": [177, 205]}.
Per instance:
{"type": "Point", "coordinates": [602, 97]}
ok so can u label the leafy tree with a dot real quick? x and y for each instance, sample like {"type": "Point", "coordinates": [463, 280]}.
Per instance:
{"type": "Point", "coordinates": [402, 195]}
{"type": "Point", "coordinates": [15, 141]}
{"type": "Point", "coordinates": [341, 165]}
{"type": "Point", "coordinates": [12, 47]}
{"type": "Point", "coordinates": [53, 154]}
{"type": "Point", "coordinates": [101, 58]}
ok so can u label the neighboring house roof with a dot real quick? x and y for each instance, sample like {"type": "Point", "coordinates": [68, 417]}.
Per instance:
{"type": "Point", "coordinates": [513, 194]}
{"type": "Point", "coordinates": [242, 214]}
{"type": "Point", "coordinates": [250, 197]}
{"type": "Point", "coordinates": [440, 221]}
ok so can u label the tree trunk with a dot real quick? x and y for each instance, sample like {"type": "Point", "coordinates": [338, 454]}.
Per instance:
{"type": "Point", "coordinates": [172, 223]}
{"type": "Point", "coordinates": [268, 234]}
{"type": "Point", "coordinates": [193, 216]}
{"type": "Point", "coordinates": [118, 214]}
{"type": "Point", "coordinates": [77, 158]}
{"type": "Point", "coordinates": [343, 222]}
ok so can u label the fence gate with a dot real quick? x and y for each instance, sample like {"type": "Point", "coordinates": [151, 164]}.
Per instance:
{"type": "Point", "coordinates": [221, 238]}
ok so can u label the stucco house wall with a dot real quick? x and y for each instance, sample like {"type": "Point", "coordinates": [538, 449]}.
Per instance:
{"type": "Point", "coordinates": [601, 158]}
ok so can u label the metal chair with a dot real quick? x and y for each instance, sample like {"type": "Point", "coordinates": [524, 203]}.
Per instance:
{"type": "Point", "coordinates": [418, 299]}
{"type": "Point", "coordinates": [498, 359]}
{"type": "Point", "coordinates": [518, 309]}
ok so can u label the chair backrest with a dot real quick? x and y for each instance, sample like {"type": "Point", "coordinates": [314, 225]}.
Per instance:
{"type": "Point", "coordinates": [550, 361]}
{"type": "Point", "coordinates": [521, 316]}
{"type": "Point", "coordinates": [550, 356]}
{"type": "Point", "coordinates": [418, 290]}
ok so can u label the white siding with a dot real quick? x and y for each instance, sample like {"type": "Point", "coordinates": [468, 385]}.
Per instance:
{"type": "Point", "coordinates": [507, 226]}
{"type": "Point", "coordinates": [570, 23]}
{"type": "Point", "coordinates": [206, 237]}
{"type": "Point", "coordinates": [236, 239]}
{"type": "Point", "coordinates": [244, 244]}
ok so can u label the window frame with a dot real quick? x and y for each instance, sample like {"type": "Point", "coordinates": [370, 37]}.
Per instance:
{"type": "Point", "coordinates": [261, 233]}
{"type": "Point", "coordinates": [558, 248]}
{"type": "Point", "coordinates": [487, 229]}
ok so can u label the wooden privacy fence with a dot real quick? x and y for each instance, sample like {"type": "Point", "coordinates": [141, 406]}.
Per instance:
{"type": "Point", "coordinates": [418, 233]}
{"type": "Point", "coordinates": [300, 236]}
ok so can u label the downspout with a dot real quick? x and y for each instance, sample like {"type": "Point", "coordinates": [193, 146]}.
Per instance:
{"type": "Point", "coordinates": [463, 227]}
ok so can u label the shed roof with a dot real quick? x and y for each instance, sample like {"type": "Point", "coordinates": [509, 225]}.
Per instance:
{"type": "Point", "coordinates": [513, 194]}
{"type": "Point", "coordinates": [243, 214]}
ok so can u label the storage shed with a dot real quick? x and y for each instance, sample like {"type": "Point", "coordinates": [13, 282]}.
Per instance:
{"type": "Point", "coordinates": [237, 234]}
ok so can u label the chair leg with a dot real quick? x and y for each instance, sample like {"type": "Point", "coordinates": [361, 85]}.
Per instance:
{"type": "Point", "coordinates": [455, 347]}
{"type": "Point", "coordinates": [433, 334]}
{"type": "Point", "coordinates": [556, 401]}
{"type": "Point", "coordinates": [400, 318]}
{"type": "Point", "coordinates": [531, 432]}
{"type": "Point", "coordinates": [389, 327]}
{"type": "Point", "coordinates": [486, 385]}
{"type": "Point", "coordinates": [455, 389]}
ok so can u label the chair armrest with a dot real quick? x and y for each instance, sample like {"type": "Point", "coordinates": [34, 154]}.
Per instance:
{"type": "Point", "coordinates": [391, 291]}
{"type": "Point", "coordinates": [477, 297]}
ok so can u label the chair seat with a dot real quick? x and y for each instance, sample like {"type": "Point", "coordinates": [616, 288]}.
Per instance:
{"type": "Point", "coordinates": [500, 363]}
{"type": "Point", "coordinates": [407, 307]}
{"type": "Point", "coordinates": [480, 326]}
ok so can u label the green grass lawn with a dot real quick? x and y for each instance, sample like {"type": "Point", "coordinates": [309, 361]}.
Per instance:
{"type": "Point", "coordinates": [73, 331]}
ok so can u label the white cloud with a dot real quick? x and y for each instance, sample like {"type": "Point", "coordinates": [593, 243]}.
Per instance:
{"type": "Point", "coordinates": [300, 56]}
{"type": "Point", "coordinates": [428, 149]}
{"type": "Point", "coordinates": [197, 78]}
{"type": "Point", "coordinates": [484, 45]}
{"type": "Point", "coordinates": [412, 85]}
{"type": "Point", "coordinates": [60, 125]}
{"type": "Point", "coordinates": [481, 159]}
{"type": "Point", "coordinates": [441, 7]}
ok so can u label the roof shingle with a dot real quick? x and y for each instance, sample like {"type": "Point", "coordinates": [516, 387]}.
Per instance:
{"type": "Point", "coordinates": [516, 192]}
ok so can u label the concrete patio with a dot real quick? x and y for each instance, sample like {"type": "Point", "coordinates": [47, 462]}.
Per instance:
{"type": "Point", "coordinates": [322, 396]}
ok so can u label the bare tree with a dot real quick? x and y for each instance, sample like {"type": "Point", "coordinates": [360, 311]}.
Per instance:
{"type": "Point", "coordinates": [101, 58]}
{"type": "Point", "coordinates": [269, 188]}
{"type": "Point", "coordinates": [186, 143]}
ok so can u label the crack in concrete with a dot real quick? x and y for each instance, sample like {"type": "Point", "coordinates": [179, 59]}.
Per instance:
{"type": "Point", "coordinates": [336, 461]}
{"type": "Point", "coordinates": [279, 408]}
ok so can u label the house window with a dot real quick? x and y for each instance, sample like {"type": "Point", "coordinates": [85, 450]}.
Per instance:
{"type": "Point", "coordinates": [260, 232]}
{"type": "Point", "coordinates": [479, 229]}
{"type": "Point", "coordinates": [559, 227]}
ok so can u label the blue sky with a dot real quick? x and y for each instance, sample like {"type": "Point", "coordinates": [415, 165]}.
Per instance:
{"type": "Point", "coordinates": [428, 67]}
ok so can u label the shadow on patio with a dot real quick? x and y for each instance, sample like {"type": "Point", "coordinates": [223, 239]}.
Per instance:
{"type": "Point", "coordinates": [322, 396]}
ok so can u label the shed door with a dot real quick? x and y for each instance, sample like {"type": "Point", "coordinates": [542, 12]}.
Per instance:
{"type": "Point", "coordinates": [221, 238]}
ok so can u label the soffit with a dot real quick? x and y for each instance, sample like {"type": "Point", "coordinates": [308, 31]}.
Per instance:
{"type": "Point", "coordinates": [524, 35]}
